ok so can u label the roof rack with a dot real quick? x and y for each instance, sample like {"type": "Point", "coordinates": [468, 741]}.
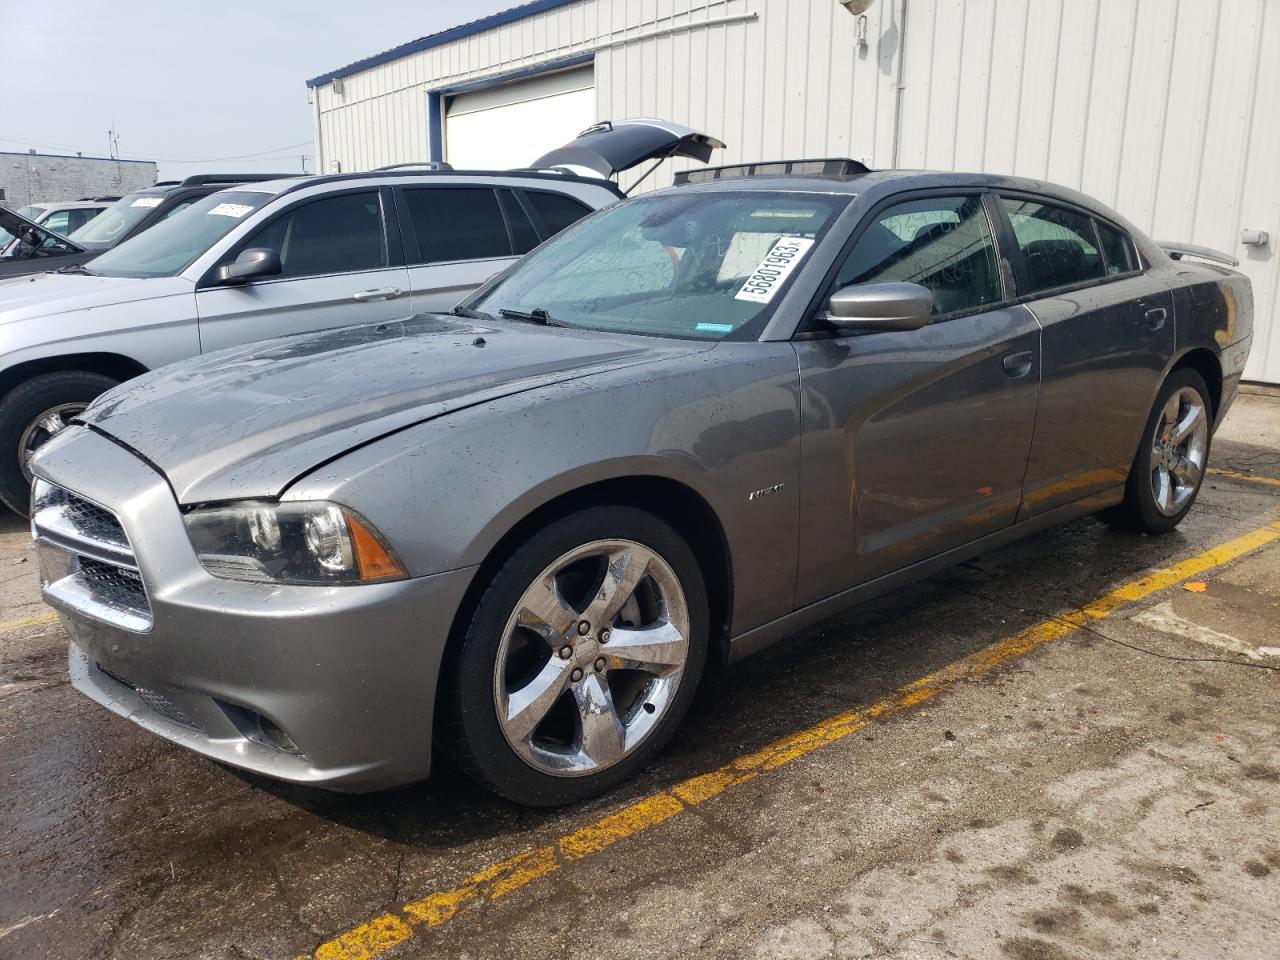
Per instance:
{"type": "Point", "coordinates": [822, 167]}
{"type": "Point", "coordinates": [416, 165]}
{"type": "Point", "coordinates": [200, 179]}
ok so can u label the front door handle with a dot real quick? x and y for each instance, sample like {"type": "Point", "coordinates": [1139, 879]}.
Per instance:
{"type": "Point", "coordinates": [381, 293]}
{"type": "Point", "coordinates": [1018, 364]}
{"type": "Point", "coordinates": [1156, 317]}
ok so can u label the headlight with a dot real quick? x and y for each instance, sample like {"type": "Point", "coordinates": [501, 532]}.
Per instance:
{"type": "Point", "coordinates": [311, 543]}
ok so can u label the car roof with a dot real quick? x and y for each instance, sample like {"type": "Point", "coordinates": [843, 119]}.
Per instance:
{"type": "Point", "coordinates": [877, 184]}
{"type": "Point", "coordinates": [545, 177]}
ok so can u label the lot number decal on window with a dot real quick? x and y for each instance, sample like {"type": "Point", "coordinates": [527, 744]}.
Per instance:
{"type": "Point", "coordinates": [236, 210]}
{"type": "Point", "coordinates": [777, 265]}
{"type": "Point", "coordinates": [147, 202]}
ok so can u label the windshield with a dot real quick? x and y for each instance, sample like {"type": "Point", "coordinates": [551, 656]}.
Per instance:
{"type": "Point", "coordinates": [171, 245]}
{"type": "Point", "coordinates": [708, 266]}
{"type": "Point", "coordinates": [117, 220]}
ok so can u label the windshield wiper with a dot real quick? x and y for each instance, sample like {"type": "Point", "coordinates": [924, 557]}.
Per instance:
{"type": "Point", "coordinates": [537, 315]}
{"type": "Point", "coordinates": [76, 268]}
{"type": "Point", "coordinates": [469, 314]}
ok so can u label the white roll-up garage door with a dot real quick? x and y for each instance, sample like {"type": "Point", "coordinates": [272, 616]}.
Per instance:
{"type": "Point", "coordinates": [514, 124]}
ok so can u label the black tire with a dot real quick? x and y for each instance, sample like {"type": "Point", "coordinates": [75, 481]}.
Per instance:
{"type": "Point", "coordinates": [467, 722]}
{"type": "Point", "coordinates": [19, 409]}
{"type": "Point", "coordinates": [1138, 511]}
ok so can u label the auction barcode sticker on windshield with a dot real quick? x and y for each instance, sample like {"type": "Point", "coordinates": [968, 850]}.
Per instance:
{"type": "Point", "coordinates": [236, 210]}
{"type": "Point", "coordinates": [147, 202]}
{"type": "Point", "coordinates": [767, 279]}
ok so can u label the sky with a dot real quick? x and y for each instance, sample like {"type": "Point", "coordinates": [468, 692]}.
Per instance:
{"type": "Point", "coordinates": [198, 87]}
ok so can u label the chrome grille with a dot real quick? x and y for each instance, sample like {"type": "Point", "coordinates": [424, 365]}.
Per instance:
{"type": "Point", "coordinates": [86, 561]}
{"type": "Point", "coordinates": [114, 585]}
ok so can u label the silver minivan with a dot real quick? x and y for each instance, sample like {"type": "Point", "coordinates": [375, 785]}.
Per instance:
{"type": "Point", "coordinates": [280, 257]}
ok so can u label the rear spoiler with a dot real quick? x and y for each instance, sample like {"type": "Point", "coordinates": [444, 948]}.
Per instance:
{"type": "Point", "coordinates": [1180, 250]}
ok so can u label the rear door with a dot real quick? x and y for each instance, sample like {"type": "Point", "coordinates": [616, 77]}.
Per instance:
{"type": "Point", "coordinates": [341, 265]}
{"type": "Point", "coordinates": [457, 236]}
{"type": "Point", "coordinates": [915, 442]}
{"type": "Point", "coordinates": [1108, 337]}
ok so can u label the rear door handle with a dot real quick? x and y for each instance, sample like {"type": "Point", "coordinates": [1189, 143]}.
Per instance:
{"type": "Point", "coordinates": [1156, 317]}
{"type": "Point", "coordinates": [381, 293]}
{"type": "Point", "coordinates": [1018, 364]}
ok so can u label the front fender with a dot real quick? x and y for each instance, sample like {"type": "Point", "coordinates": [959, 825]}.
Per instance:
{"type": "Point", "coordinates": [724, 423]}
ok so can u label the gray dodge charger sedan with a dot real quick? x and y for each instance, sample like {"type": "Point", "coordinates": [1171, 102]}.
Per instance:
{"type": "Point", "coordinates": [692, 424]}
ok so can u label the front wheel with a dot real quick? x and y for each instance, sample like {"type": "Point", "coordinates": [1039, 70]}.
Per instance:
{"type": "Point", "coordinates": [30, 414]}
{"type": "Point", "coordinates": [1171, 460]}
{"type": "Point", "coordinates": [580, 658]}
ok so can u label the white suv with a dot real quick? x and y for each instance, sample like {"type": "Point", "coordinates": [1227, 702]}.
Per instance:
{"type": "Point", "coordinates": [273, 258]}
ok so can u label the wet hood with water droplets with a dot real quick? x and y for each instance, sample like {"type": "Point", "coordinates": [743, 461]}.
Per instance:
{"type": "Point", "coordinates": [247, 422]}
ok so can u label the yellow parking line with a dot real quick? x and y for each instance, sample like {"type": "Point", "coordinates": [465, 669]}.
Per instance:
{"type": "Point", "coordinates": [1250, 477]}
{"type": "Point", "coordinates": [37, 620]}
{"type": "Point", "coordinates": [390, 929]}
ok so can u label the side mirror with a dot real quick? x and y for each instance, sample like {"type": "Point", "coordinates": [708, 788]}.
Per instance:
{"type": "Point", "coordinates": [252, 263]}
{"type": "Point", "coordinates": [870, 307]}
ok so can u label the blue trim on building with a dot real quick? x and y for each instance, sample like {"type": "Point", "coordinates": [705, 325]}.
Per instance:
{"type": "Point", "coordinates": [67, 156]}
{"type": "Point", "coordinates": [435, 126]}
{"type": "Point", "coordinates": [436, 104]}
{"type": "Point", "coordinates": [443, 37]}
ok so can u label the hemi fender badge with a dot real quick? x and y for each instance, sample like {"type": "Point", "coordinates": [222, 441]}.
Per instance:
{"type": "Point", "coordinates": [767, 491]}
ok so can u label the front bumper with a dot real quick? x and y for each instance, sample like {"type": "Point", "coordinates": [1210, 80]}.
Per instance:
{"type": "Point", "coordinates": [332, 686]}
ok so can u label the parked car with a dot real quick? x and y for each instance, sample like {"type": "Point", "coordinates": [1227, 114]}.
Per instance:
{"type": "Point", "coordinates": [277, 257]}
{"type": "Point", "coordinates": [26, 247]}
{"type": "Point", "coordinates": [66, 217]}
{"type": "Point", "coordinates": [50, 249]}
{"type": "Point", "coordinates": [688, 426]}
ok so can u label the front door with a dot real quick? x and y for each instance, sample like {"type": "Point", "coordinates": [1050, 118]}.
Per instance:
{"type": "Point", "coordinates": [1108, 336]}
{"type": "Point", "coordinates": [338, 268]}
{"type": "Point", "coordinates": [915, 442]}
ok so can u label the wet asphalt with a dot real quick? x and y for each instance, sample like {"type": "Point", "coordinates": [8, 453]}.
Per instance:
{"type": "Point", "coordinates": [1110, 794]}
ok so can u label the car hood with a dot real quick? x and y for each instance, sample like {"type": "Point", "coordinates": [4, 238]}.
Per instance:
{"type": "Point", "coordinates": [42, 294]}
{"type": "Point", "coordinates": [247, 422]}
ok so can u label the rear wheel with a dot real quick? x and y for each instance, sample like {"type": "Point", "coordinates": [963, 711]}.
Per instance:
{"type": "Point", "coordinates": [1170, 464]}
{"type": "Point", "coordinates": [580, 659]}
{"type": "Point", "coordinates": [30, 415]}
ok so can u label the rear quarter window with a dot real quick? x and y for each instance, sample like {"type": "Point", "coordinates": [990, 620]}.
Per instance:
{"type": "Point", "coordinates": [1116, 247]}
{"type": "Point", "coordinates": [556, 210]}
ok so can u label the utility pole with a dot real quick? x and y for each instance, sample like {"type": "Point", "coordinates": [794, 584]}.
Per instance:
{"type": "Point", "coordinates": [304, 157]}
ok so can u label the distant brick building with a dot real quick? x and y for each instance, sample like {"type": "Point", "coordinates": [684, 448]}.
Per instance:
{"type": "Point", "coordinates": [35, 177]}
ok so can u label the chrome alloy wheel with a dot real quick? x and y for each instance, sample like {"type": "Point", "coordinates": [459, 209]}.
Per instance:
{"type": "Point", "coordinates": [1178, 451]}
{"type": "Point", "coordinates": [42, 429]}
{"type": "Point", "coordinates": [591, 657]}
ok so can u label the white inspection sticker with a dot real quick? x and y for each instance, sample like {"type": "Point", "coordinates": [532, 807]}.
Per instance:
{"type": "Point", "coordinates": [236, 210]}
{"type": "Point", "coordinates": [147, 202]}
{"type": "Point", "coordinates": [777, 265]}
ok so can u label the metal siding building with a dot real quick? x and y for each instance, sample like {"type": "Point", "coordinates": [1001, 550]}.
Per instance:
{"type": "Point", "coordinates": [1169, 110]}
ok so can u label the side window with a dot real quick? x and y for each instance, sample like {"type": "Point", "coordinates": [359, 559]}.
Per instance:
{"type": "Point", "coordinates": [556, 210]}
{"type": "Point", "coordinates": [59, 222]}
{"type": "Point", "coordinates": [457, 223]}
{"type": "Point", "coordinates": [178, 207]}
{"type": "Point", "coordinates": [1115, 245]}
{"type": "Point", "coordinates": [340, 234]}
{"type": "Point", "coordinates": [80, 217]}
{"type": "Point", "coordinates": [1057, 245]}
{"type": "Point", "coordinates": [941, 243]}
{"type": "Point", "coordinates": [522, 232]}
